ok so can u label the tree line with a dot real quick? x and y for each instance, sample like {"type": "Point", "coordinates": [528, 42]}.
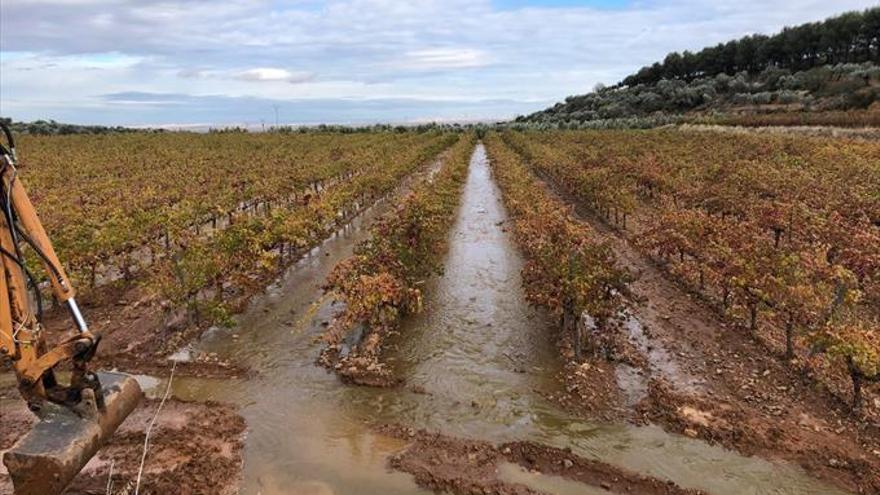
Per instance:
{"type": "Point", "coordinates": [853, 37]}
{"type": "Point", "coordinates": [51, 127]}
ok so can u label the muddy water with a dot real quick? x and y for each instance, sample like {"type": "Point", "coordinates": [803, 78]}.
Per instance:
{"type": "Point", "coordinates": [557, 485]}
{"type": "Point", "coordinates": [632, 381]}
{"type": "Point", "coordinates": [475, 360]}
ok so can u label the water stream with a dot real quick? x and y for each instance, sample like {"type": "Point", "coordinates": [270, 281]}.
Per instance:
{"type": "Point", "coordinates": [475, 360]}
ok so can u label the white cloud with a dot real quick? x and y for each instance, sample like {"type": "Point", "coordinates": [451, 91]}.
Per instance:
{"type": "Point", "coordinates": [438, 50]}
{"type": "Point", "coordinates": [444, 58]}
{"type": "Point", "coordinates": [259, 74]}
{"type": "Point", "coordinates": [272, 74]}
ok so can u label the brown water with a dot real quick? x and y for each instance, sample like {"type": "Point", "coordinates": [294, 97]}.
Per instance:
{"type": "Point", "coordinates": [546, 483]}
{"type": "Point", "coordinates": [481, 354]}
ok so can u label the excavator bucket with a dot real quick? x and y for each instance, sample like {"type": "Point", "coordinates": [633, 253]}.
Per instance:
{"type": "Point", "coordinates": [46, 460]}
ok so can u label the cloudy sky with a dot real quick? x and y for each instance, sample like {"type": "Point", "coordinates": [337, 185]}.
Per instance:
{"type": "Point", "coordinates": [144, 62]}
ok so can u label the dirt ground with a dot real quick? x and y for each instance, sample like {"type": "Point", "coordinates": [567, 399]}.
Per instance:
{"type": "Point", "coordinates": [711, 380]}
{"type": "Point", "coordinates": [194, 448]}
{"type": "Point", "coordinates": [466, 467]}
{"type": "Point", "coordinates": [197, 445]}
{"type": "Point", "coordinates": [138, 334]}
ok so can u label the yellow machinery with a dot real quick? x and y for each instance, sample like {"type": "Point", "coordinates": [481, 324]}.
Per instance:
{"type": "Point", "coordinates": [76, 418]}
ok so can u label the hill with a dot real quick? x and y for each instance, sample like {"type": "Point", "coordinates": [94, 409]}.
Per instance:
{"type": "Point", "coordinates": [824, 72]}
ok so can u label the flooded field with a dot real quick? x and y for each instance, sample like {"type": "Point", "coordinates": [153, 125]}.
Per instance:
{"type": "Point", "coordinates": [477, 363]}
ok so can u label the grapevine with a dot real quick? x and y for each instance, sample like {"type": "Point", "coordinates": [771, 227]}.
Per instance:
{"type": "Point", "coordinates": [383, 280]}
{"type": "Point", "coordinates": [779, 232]}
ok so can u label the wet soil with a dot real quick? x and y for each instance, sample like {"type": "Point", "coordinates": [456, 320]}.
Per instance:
{"type": "Point", "coordinates": [137, 337]}
{"type": "Point", "coordinates": [710, 380]}
{"type": "Point", "coordinates": [443, 463]}
{"type": "Point", "coordinates": [200, 442]}
{"type": "Point", "coordinates": [592, 390]}
{"type": "Point", "coordinates": [194, 448]}
{"type": "Point", "coordinates": [481, 363]}
{"type": "Point", "coordinates": [140, 332]}
{"type": "Point", "coordinates": [480, 366]}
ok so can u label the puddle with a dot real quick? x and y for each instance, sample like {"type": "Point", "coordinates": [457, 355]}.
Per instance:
{"type": "Point", "coordinates": [147, 383]}
{"type": "Point", "coordinates": [632, 382]}
{"type": "Point", "coordinates": [183, 355]}
{"type": "Point", "coordinates": [660, 359]}
{"type": "Point", "coordinates": [546, 483]}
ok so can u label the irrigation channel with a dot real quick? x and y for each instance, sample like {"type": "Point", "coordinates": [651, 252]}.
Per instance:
{"type": "Point", "coordinates": [479, 351]}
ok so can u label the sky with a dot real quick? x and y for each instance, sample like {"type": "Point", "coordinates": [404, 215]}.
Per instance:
{"type": "Point", "coordinates": [250, 62]}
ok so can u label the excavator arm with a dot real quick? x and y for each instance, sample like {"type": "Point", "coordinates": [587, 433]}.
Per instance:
{"type": "Point", "coordinates": [78, 417]}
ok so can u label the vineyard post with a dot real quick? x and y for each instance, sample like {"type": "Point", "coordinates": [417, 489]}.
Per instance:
{"type": "Point", "coordinates": [725, 296]}
{"type": "Point", "coordinates": [569, 319]}
{"type": "Point", "coordinates": [856, 376]}
{"type": "Point", "coordinates": [218, 290]}
{"type": "Point", "coordinates": [93, 267]}
{"type": "Point", "coordinates": [125, 267]}
{"type": "Point", "coordinates": [753, 315]}
{"type": "Point", "coordinates": [789, 336]}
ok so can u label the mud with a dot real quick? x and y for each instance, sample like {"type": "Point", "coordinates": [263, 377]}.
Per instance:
{"type": "Point", "coordinates": [137, 337]}
{"type": "Point", "coordinates": [200, 443]}
{"type": "Point", "coordinates": [713, 381]}
{"type": "Point", "coordinates": [461, 466]}
{"type": "Point", "coordinates": [591, 390]}
{"type": "Point", "coordinates": [479, 364]}
{"type": "Point", "coordinates": [194, 448]}
{"type": "Point", "coordinates": [361, 370]}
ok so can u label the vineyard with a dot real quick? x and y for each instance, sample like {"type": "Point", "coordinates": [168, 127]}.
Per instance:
{"type": "Point", "coordinates": [781, 234]}
{"type": "Point", "coordinates": [206, 213]}
{"type": "Point", "coordinates": [414, 248]}
{"type": "Point", "coordinates": [492, 286]}
{"type": "Point", "coordinates": [569, 270]}
{"type": "Point", "coordinates": [381, 282]}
